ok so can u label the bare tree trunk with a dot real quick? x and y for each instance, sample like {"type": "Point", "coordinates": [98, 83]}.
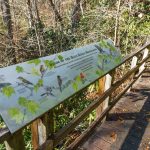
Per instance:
{"type": "Point", "coordinates": [9, 52]}
{"type": "Point", "coordinates": [56, 13]}
{"type": "Point", "coordinates": [116, 38]}
{"type": "Point", "coordinates": [33, 13]}
{"type": "Point", "coordinates": [76, 15]}
{"type": "Point", "coordinates": [7, 18]}
{"type": "Point", "coordinates": [30, 15]}
{"type": "Point", "coordinates": [35, 22]}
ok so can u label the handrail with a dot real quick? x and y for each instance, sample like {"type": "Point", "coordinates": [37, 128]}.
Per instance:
{"type": "Point", "coordinates": [57, 137]}
{"type": "Point", "coordinates": [64, 131]}
{"type": "Point", "coordinates": [102, 116]}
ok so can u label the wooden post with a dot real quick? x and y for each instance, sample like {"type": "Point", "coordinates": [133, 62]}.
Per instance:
{"type": "Point", "coordinates": [104, 84]}
{"type": "Point", "coordinates": [35, 137]}
{"type": "Point", "coordinates": [101, 90]}
{"type": "Point", "coordinates": [145, 54]}
{"type": "Point", "coordinates": [133, 64]}
{"type": "Point", "coordinates": [108, 83]}
{"type": "Point", "coordinates": [41, 130]}
{"type": "Point", "coordinates": [15, 142]}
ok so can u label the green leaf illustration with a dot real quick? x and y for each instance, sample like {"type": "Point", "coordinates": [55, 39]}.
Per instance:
{"type": "Point", "coordinates": [38, 85]}
{"type": "Point", "coordinates": [49, 64]}
{"type": "Point", "coordinates": [40, 82]}
{"type": "Point", "coordinates": [16, 114]}
{"type": "Point", "coordinates": [35, 61]}
{"type": "Point", "coordinates": [106, 57]}
{"type": "Point", "coordinates": [112, 48]}
{"type": "Point", "coordinates": [36, 88]}
{"type": "Point", "coordinates": [35, 72]}
{"type": "Point", "coordinates": [19, 69]}
{"type": "Point", "coordinates": [118, 60]}
{"type": "Point", "coordinates": [100, 56]}
{"type": "Point", "coordinates": [32, 106]}
{"type": "Point", "coordinates": [75, 86]}
{"type": "Point", "coordinates": [78, 79]}
{"type": "Point", "coordinates": [8, 91]}
{"type": "Point", "coordinates": [99, 72]}
{"type": "Point", "coordinates": [60, 58]}
{"type": "Point", "coordinates": [23, 101]}
{"type": "Point", "coordinates": [103, 44]}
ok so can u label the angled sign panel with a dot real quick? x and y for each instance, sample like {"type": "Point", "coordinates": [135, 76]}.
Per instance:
{"type": "Point", "coordinates": [30, 89]}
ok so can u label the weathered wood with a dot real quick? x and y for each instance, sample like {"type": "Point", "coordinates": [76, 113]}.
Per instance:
{"type": "Point", "coordinates": [15, 142]}
{"type": "Point", "coordinates": [108, 84]}
{"type": "Point", "coordinates": [35, 138]}
{"type": "Point", "coordinates": [84, 135]}
{"type": "Point", "coordinates": [135, 53]}
{"type": "Point", "coordinates": [104, 85]}
{"type": "Point", "coordinates": [41, 130]}
{"type": "Point", "coordinates": [145, 54]}
{"type": "Point", "coordinates": [116, 132]}
{"type": "Point", "coordinates": [47, 130]}
{"type": "Point", "coordinates": [4, 134]}
{"type": "Point", "coordinates": [101, 90]}
{"type": "Point", "coordinates": [133, 64]}
{"type": "Point", "coordinates": [70, 126]}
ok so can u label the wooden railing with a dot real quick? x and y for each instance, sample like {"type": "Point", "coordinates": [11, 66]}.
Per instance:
{"type": "Point", "coordinates": [43, 136]}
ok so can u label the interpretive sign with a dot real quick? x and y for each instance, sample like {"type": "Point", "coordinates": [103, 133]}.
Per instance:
{"type": "Point", "coordinates": [30, 89]}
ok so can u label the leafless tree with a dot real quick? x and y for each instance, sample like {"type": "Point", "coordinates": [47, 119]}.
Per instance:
{"type": "Point", "coordinates": [76, 15]}
{"type": "Point", "coordinates": [58, 17]}
{"type": "Point", "coordinates": [6, 15]}
{"type": "Point", "coordinates": [33, 13]}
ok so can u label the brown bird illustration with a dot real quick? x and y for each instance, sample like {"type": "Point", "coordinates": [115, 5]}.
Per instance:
{"type": "Point", "coordinates": [42, 70]}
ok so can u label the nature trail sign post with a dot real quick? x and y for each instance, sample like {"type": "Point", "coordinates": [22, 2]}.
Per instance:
{"type": "Point", "coordinates": [30, 89]}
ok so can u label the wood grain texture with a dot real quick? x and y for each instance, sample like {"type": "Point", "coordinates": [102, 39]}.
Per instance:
{"type": "Point", "coordinates": [101, 90]}
{"type": "Point", "coordinates": [127, 127]}
{"type": "Point", "coordinates": [15, 142]}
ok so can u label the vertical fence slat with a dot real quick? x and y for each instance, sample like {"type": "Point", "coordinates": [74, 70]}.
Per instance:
{"type": "Point", "coordinates": [101, 90]}
{"type": "Point", "coordinates": [35, 137]}
{"type": "Point", "coordinates": [133, 64]}
{"type": "Point", "coordinates": [104, 84]}
{"type": "Point", "coordinates": [41, 129]}
{"type": "Point", "coordinates": [108, 83]}
{"type": "Point", "coordinates": [15, 142]}
{"type": "Point", "coordinates": [145, 54]}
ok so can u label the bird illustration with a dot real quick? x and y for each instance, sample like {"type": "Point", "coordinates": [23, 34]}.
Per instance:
{"type": "Point", "coordinates": [42, 70]}
{"type": "Point", "coordinates": [59, 80]}
{"type": "Point", "coordinates": [100, 49]}
{"type": "Point", "coordinates": [23, 80]}
{"type": "Point", "coordinates": [2, 85]}
{"type": "Point", "coordinates": [83, 77]}
{"type": "Point", "coordinates": [48, 92]}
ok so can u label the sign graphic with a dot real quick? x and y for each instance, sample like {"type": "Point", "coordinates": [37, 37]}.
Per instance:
{"type": "Point", "coordinates": [30, 89]}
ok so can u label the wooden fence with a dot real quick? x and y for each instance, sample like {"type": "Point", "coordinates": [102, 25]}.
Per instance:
{"type": "Point", "coordinates": [43, 136]}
